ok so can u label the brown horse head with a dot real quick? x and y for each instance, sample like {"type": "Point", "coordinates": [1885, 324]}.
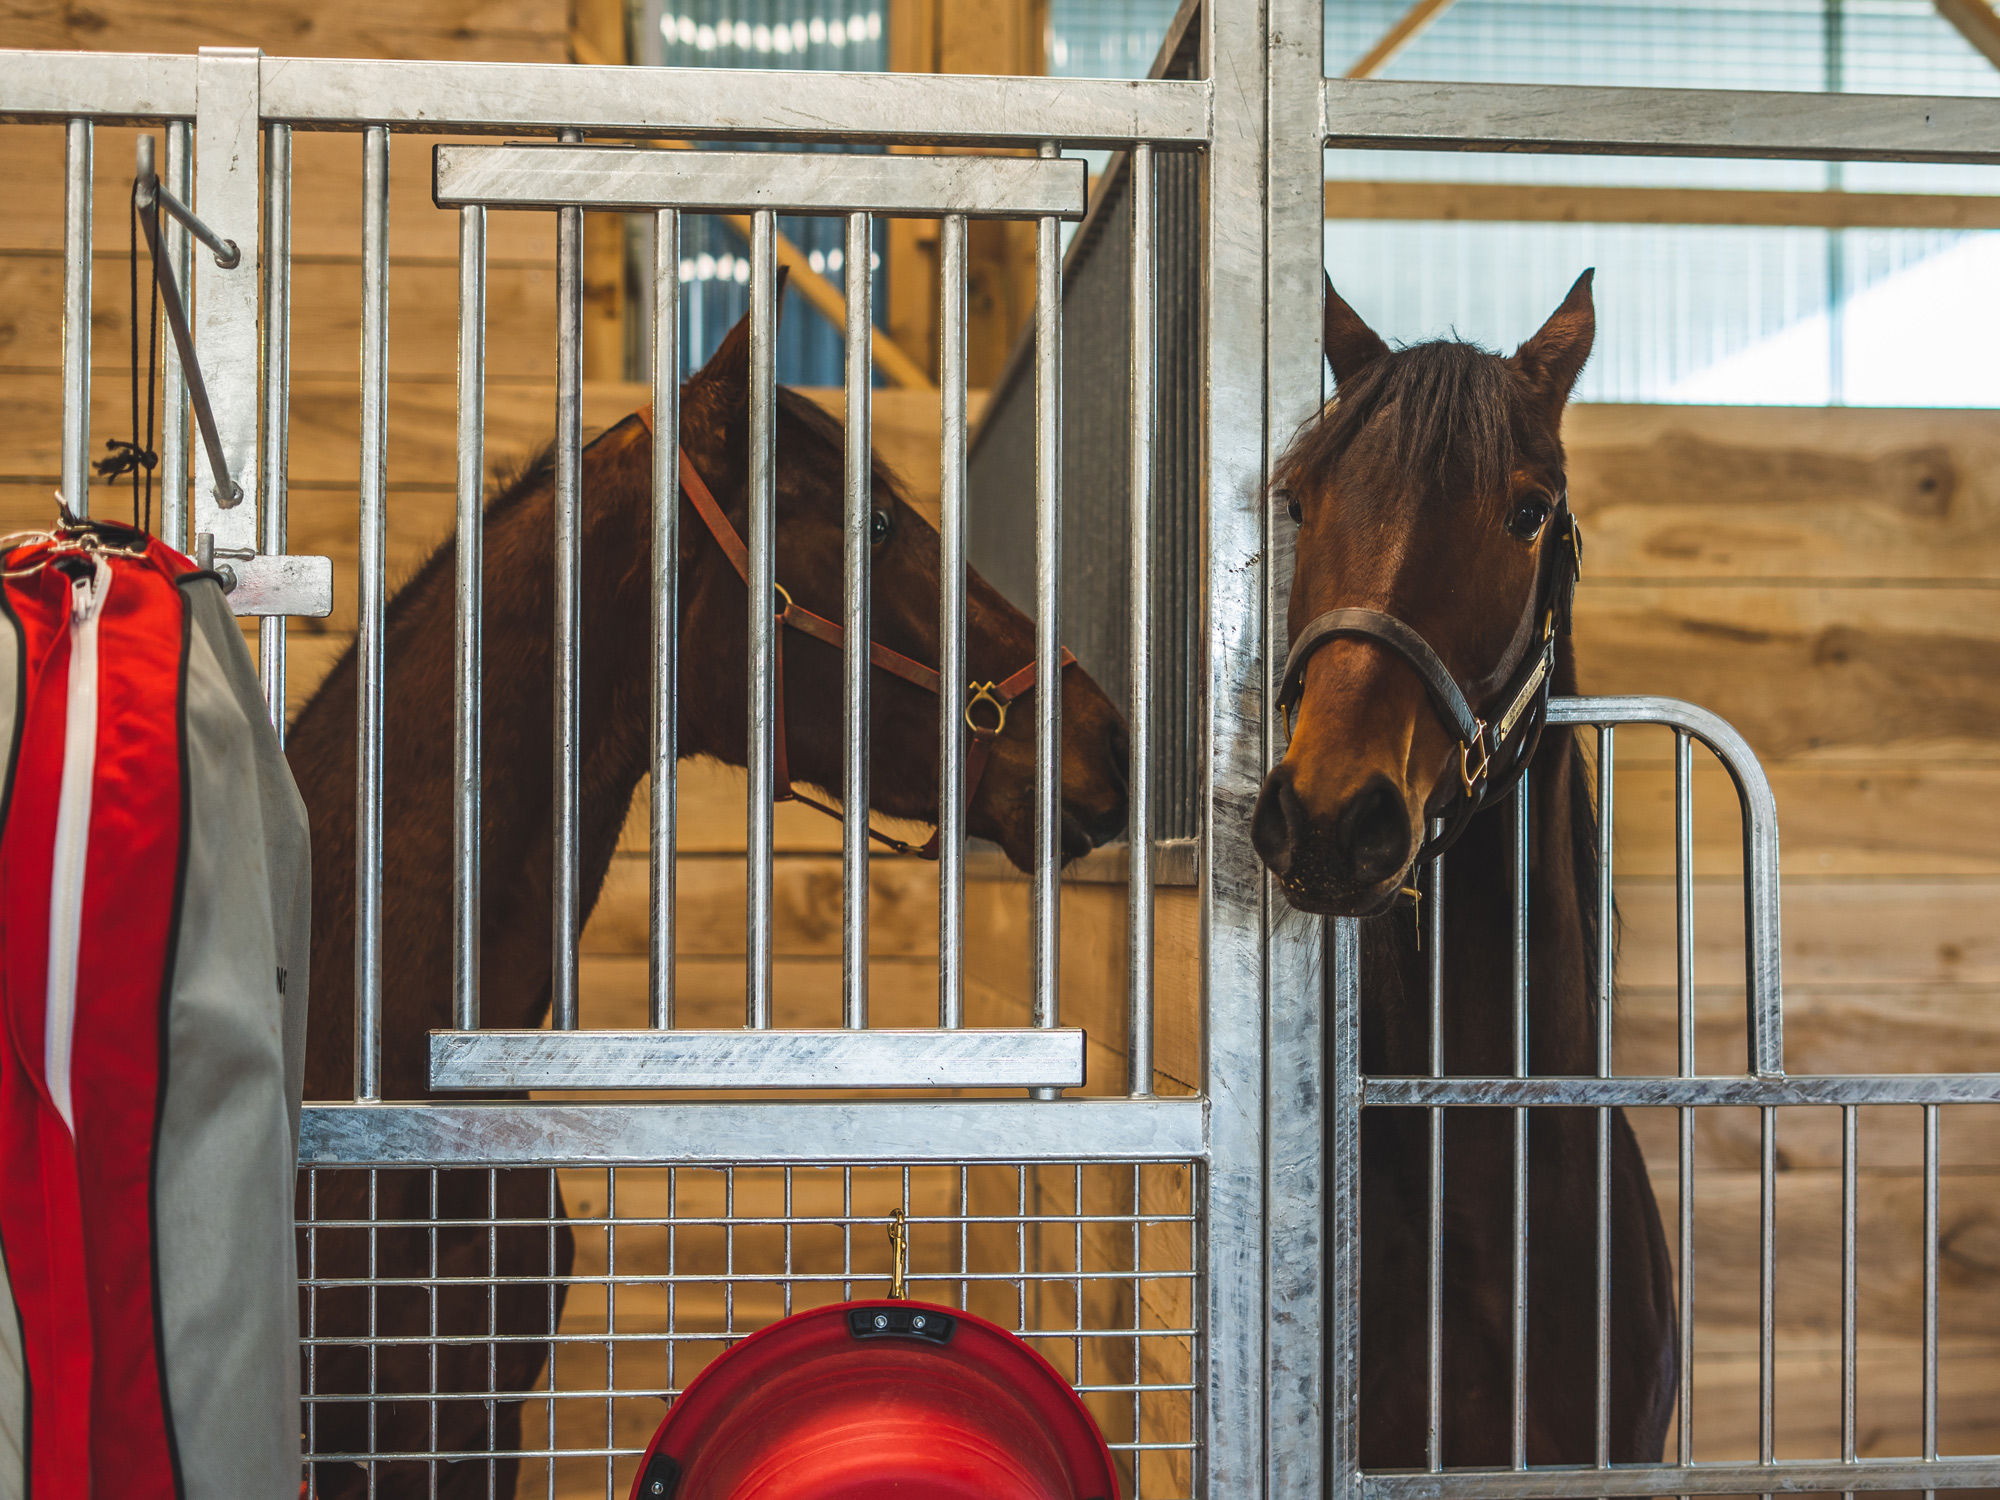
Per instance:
{"type": "Point", "coordinates": [1424, 491]}
{"type": "Point", "coordinates": [903, 718]}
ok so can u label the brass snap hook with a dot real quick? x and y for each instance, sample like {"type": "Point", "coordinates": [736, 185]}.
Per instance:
{"type": "Point", "coordinates": [1466, 774]}
{"type": "Point", "coordinates": [983, 692]}
{"type": "Point", "coordinates": [899, 1240]}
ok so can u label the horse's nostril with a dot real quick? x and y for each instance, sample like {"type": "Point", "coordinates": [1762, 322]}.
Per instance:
{"type": "Point", "coordinates": [1278, 825]}
{"type": "Point", "coordinates": [1373, 832]}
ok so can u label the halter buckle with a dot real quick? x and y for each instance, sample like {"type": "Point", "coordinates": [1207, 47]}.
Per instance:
{"type": "Point", "coordinates": [983, 692]}
{"type": "Point", "coordinates": [1471, 777]}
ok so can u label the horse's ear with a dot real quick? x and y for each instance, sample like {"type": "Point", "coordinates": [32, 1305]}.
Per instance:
{"type": "Point", "coordinates": [727, 373]}
{"type": "Point", "coordinates": [1554, 357]}
{"type": "Point", "coordinates": [1351, 345]}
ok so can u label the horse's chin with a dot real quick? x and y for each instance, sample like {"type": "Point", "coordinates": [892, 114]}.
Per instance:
{"type": "Point", "coordinates": [1017, 839]}
{"type": "Point", "coordinates": [1328, 898]}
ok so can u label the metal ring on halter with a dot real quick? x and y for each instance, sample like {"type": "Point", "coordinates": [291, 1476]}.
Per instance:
{"type": "Point", "coordinates": [982, 692]}
{"type": "Point", "coordinates": [786, 607]}
{"type": "Point", "coordinates": [1470, 777]}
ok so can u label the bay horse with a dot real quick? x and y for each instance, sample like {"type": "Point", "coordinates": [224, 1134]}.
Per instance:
{"type": "Point", "coordinates": [529, 1239]}
{"type": "Point", "coordinates": [1430, 501]}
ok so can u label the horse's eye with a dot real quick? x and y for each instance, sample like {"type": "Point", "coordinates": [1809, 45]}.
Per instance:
{"type": "Point", "coordinates": [878, 527]}
{"type": "Point", "coordinates": [1292, 510]}
{"type": "Point", "coordinates": [1530, 512]}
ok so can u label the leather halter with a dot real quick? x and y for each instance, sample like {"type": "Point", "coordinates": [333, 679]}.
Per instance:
{"type": "Point", "coordinates": [1492, 754]}
{"type": "Point", "coordinates": [996, 696]}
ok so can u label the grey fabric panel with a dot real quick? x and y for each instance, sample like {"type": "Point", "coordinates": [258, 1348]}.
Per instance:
{"type": "Point", "coordinates": [287, 841]}
{"type": "Point", "coordinates": [13, 1368]}
{"type": "Point", "coordinates": [228, 1132]}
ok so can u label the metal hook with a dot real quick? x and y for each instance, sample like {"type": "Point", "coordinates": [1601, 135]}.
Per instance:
{"type": "Point", "coordinates": [899, 1238]}
{"type": "Point", "coordinates": [149, 195]}
{"type": "Point", "coordinates": [984, 692]}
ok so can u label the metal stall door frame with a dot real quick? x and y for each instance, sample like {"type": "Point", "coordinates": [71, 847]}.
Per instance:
{"type": "Point", "coordinates": [1308, 113]}
{"type": "Point", "coordinates": [1253, 1128]}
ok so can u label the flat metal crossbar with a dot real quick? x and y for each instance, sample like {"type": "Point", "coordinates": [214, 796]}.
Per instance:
{"type": "Point", "coordinates": [1017, 1057]}
{"type": "Point", "coordinates": [979, 187]}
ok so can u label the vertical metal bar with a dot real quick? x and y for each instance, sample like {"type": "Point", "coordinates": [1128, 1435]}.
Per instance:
{"type": "Point", "coordinates": [468, 775]}
{"type": "Point", "coordinates": [1850, 1156]}
{"type": "Point", "coordinates": [1684, 978]}
{"type": "Point", "coordinates": [857, 621]}
{"type": "Point", "coordinates": [952, 790]}
{"type": "Point", "coordinates": [1932, 1115]}
{"type": "Point", "coordinates": [228, 196]}
{"type": "Point", "coordinates": [567, 915]}
{"type": "Point", "coordinates": [277, 398]}
{"type": "Point", "coordinates": [178, 174]}
{"type": "Point", "coordinates": [664, 840]}
{"type": "Point", "coordinates": [1767, 1287]}
{"type": "Point", "coordinates": [77, 155]}
{"type": "Point", "coordinates": [762, 543]}
{"type": "Point", "coordinates": [1139, 717]}
{"type": "Point", "coordinates": [1047, 874]}
{"type": "Point", "coordinates": [1607, 917]}
{"type": "Point", "coordinates": [369, 642]}
{"type": "Point", "coordinates": [1433, 919]}
{"type": "Point", "coordinates": [1520, 1330]}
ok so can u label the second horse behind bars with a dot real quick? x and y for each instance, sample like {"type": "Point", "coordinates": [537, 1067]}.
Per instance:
{"type": "Point", "coordinates": [526, 1258]}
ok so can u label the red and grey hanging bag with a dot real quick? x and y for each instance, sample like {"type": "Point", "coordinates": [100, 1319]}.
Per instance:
{"type": "Point", "coordinates": [154, 921]}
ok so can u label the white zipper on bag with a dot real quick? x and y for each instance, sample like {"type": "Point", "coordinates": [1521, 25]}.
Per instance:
{"type": "Point", "coordinates": [72, 850]}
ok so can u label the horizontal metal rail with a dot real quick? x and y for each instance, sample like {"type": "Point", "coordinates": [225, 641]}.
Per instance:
{"type": "Point", "coordinates": [1827, 1089]}
{"type": "Point", "coordinates": [1790, 1478]}
{"type": "Point", "coordinates": [606, 177]}
{"type": "Point", "coordinates": [764, 1134]}
{"type": "Point", "coordinates": [773, 1059]}
{"type": "Point", "coordinates": [1589, 121]}
{"type": "Point", "coordinates": [703, 103]}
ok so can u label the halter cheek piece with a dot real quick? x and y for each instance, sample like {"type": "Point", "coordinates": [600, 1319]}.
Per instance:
{"type": "Point", "coordinates": [986, 702]}
{"type": "Point", "coordinates": [1491, 754]}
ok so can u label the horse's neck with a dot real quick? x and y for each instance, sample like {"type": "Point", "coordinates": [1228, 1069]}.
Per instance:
{"type": "Point", "coordinates": [1479, 945]}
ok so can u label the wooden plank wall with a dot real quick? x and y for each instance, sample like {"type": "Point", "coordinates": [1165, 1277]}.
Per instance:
{"type": "Point", "coordinates": [1824, 579]}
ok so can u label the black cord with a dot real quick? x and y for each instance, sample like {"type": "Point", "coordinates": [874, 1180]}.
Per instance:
{"type": "Point", "coordinates": [124, 457]}
{"type": "Point", "coordinates": [152, 370]}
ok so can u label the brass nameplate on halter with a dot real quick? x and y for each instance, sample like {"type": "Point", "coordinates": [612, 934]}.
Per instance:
{"type": "Point", "coordinates": [1521, 701]}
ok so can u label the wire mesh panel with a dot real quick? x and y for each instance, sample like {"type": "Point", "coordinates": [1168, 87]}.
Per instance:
{"type": "Point", "coordinates": [643, 1276]}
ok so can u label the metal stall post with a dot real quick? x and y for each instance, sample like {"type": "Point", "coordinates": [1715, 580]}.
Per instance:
{"type": "Point", "coordinates": [227, 188]}
{"type": "Point", "coordinates": [1238, 1244]}
{"type": "Point", "coordinates": [1295, 985]}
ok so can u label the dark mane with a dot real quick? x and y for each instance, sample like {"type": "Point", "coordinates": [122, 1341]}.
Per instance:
{"type": "Point", "coordinates": [821, 424]}
{"type": "Point", "coordinates": [512, 484]}
{"type": "Point", "coordinates": [1448, 405]}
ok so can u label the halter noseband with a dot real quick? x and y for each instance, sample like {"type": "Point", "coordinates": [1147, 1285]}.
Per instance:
{"type": "Point", "coordinates": [986, 702]}
{"type": "Point", "coordinates": [1525, 697]}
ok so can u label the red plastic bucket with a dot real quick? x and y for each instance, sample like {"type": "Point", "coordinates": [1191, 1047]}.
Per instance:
{"type": "Point", "coordinates": [872, 1399]}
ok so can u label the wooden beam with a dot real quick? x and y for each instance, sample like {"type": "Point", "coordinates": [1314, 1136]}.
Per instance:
{"type": "Point", "coordinates": [1412, 25]}
{"type": "Point", "coordinates": [1976, 22]}
{"type": "Point", "coordinates": [831, 303]}
{"type": "Point", "coordinates": [1537, 203]}
{"type": "Point", "coordinates": [820, 293]}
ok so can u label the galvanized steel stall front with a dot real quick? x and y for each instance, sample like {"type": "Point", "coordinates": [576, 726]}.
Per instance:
{"type": "Point", "coordinates": [1188, 1259]}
